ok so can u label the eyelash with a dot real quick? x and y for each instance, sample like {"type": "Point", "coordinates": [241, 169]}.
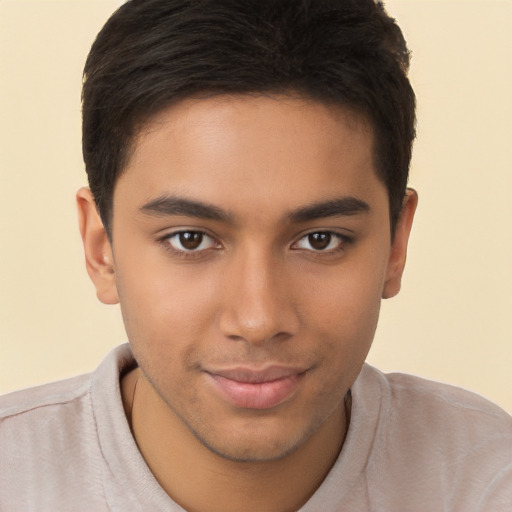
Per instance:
{"type": "Point", "coordinates": [183, 253]}
{"type": "Point", "coordinates": [344, 240]}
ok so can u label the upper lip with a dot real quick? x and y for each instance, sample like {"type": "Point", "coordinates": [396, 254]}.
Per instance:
{"type": "Point", "coordinates": [257, 376]}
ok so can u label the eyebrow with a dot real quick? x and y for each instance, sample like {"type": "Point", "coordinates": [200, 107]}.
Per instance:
{"type": "Point", "coordinates": [173, 205]}
{"type": "Point", "coordinates": [340, 207]}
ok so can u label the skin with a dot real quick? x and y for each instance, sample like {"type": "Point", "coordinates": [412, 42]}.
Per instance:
{"type": "Point", "coordinates": [258, 291]}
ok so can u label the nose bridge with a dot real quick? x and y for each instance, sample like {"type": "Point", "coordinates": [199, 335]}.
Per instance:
{"type": "Point", "coordinates": [256, 307]}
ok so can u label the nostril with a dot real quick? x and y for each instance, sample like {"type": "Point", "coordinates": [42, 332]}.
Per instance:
{"type": "Point", "coordinates": [260, 338]}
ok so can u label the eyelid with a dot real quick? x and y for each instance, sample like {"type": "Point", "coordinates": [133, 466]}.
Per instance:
{"type": "Point", "coordinates": [344, 240]}
{"type": "Point", "coordinates": [166, 241]}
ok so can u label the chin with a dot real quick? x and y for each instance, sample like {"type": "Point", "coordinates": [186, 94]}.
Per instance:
{"type": "Point", "coordinates": [269, 442]}
{"type": "Point", "coordinates": [250, 452]}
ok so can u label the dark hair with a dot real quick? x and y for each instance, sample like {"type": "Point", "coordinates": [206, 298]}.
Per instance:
{"type": "Point", "coordinates": [152, 53]}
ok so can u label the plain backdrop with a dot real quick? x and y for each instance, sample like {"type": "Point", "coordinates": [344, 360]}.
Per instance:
{"type": "Point", "coordinates": [452, 320]}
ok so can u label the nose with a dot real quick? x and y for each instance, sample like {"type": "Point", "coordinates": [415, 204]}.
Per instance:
{"type": "Point", "coordinates": [258, 307]}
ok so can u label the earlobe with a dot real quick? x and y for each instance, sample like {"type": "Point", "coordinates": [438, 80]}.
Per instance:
{"type": "Point", "coordinates": [98, 251]}
{"type": "Point", "coordinates": [398, 255]}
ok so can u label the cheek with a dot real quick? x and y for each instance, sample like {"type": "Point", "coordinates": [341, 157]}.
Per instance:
{"type": "Point", "coordinates": [348, 291]}
{"type": "Point", "coordinates": [165, 306]}
{"type": "Point", "coordinates": [347, 327]}
{"type": "Point", "coordinates": [345, 330]}
{"type": "Point", "coordinates": [343, 309]}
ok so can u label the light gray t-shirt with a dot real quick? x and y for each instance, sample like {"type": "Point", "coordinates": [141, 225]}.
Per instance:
{"type": "Point", "coordinates": [412, 446]}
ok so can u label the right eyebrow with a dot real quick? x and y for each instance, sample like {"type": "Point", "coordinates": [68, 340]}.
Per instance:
{"type": "Point", "coordinates": [174, 205]}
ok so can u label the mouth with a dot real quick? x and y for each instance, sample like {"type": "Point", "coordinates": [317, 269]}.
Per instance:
{"type": "Point", "coordinates": [256, 389]}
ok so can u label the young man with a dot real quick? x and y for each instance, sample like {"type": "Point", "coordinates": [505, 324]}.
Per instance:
{"type": "Point", "coordinates": [248, 209]}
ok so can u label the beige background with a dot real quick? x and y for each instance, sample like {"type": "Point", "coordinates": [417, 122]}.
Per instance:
{"type": "Point", "coordinates": [452, 321]}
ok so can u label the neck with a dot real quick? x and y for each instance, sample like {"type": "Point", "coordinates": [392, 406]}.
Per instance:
{"type": "Point", "coordinates": [200, 480]}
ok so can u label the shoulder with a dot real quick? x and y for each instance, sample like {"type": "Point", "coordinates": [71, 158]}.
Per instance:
{"type": "Point", "coordinates": [50, 439]}
{"type": "Point", "coordinates": [45, 433]}
{"type": "Point", "coordinates": [36, 423]}
{"type": "Point", "coordinates": [413, 399]}
{"type": "Point", "coordinates": [421, 399]}
{"type": "Point", "coordinates": [425, 412]}
{"type": "Point", "coordinates": [437, 438]}
{"type": "Point", "coordinates": [48, 395]}
{"type": "Point", "coordinates": [65, 393]}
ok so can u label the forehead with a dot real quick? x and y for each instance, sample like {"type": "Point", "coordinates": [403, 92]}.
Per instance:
{"type": "Point", "coordinates": [251, 152]}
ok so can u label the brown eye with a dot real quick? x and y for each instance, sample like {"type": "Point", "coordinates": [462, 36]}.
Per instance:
{"type": "Point", "coordinates": [319, 241]}
{"type": "Point", "coordinates": [190, 241]}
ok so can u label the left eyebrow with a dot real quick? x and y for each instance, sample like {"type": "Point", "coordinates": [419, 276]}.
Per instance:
{"type": "Point", "coordinates": [340, 207]}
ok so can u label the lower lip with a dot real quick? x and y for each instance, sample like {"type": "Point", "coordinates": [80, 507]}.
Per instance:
{"type": "Point", "coordinates": [261, 395]}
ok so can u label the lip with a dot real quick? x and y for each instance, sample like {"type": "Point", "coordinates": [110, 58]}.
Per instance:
{"type": "Point", "coordinates": [257, 389]}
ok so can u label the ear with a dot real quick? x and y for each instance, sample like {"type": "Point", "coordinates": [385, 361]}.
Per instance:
{"type": "Point", "coordinates": [398, 255]}
{"type": "Point", "coordinates": [98, 251]}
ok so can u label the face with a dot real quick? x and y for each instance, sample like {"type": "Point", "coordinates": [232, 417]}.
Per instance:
{"type": "Point", "coordinates": [251, 248]}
